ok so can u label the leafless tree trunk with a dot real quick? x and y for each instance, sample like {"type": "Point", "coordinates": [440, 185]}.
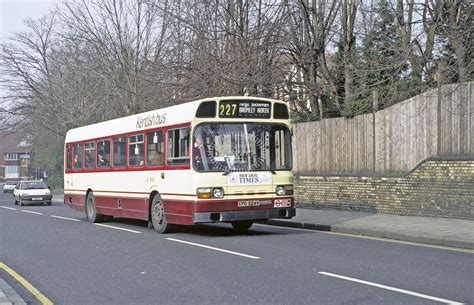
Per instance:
{"type": "Point", "coordinates": [348, 16]}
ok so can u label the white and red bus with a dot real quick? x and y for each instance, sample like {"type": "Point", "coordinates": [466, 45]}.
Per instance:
{"type": "Point", "coordinates": [224, 159]}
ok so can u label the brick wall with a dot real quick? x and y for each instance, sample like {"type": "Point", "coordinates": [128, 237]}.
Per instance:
{"type": "Point", "coordinates": [441, 188]}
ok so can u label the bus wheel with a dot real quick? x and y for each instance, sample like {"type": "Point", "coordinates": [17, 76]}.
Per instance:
{"type": "Point", "coordinates": [242, 226]}
{"type": "Point", "coordinates": [158, 217]}
{"type": "Point", "coordinates": [91, 211]}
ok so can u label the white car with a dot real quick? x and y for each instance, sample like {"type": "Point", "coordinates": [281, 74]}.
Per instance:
{"type": "Point", "coordinates": [9, 186]}
{"type": "Point", "coordinates": [32, 192]}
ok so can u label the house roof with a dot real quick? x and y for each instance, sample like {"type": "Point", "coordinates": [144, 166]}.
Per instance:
{"type": "Point", "coordinates": [13, 142]}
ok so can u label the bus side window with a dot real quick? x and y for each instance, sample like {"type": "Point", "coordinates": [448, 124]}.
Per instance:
{"type": "Point", "coordinates": [77, 156]}
{"type": "Point", "coordinates": [177, 151]}
{"type": "Point", "coordinates": [154, 148]}
{"type": "Point", "coordinates": [103, 153]}
{"type": "Point", "coordinates": [89, 155]}
{"type": "Point", "coordinates": [120, 151]}
{"type": "Point", "coordinates": [69, 156]}
{"type": "Point", "coordinates": [136, 155]}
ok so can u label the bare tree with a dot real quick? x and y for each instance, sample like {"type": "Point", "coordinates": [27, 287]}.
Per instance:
{"type": "Point", "coordinates": [311, 29]}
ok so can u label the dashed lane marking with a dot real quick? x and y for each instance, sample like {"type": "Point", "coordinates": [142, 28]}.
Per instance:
{"type": "Point", "coordinates": [32, 212]}
{"type": "Point", "coordinates": [8, 208]}
{"type": "Point", "coordinates": [38, 295]}
{"type": "Point", "coordinates": [213, 248]}
{"type": "Point", "coordinates": [117, 228]}
{"type": "Point", "coordinates": [412, 293]}
{"type": "Point", "coordinates": [65, 218]}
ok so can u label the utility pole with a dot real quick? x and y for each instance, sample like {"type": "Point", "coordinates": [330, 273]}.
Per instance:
{"type": "Point", "coordinates": [438, 110]}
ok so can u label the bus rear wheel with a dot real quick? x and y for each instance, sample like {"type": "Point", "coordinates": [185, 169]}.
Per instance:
{"type": "Point", "coordinates": [241, 226]}
{"type": "Point", "coordinates": [158, 217]}
{"type": "Point", "coordinates": [91, 211]}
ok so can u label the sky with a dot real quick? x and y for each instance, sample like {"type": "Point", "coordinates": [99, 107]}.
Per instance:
{"type": "Point", "coordinates": [12, 14]}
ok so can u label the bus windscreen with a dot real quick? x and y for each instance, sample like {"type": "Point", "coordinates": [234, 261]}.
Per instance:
{"type": "Point", "coordinates": [228, 147]}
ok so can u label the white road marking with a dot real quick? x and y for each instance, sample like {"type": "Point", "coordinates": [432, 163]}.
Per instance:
{"type": "Point", "coordinates": [416, 294]}
{"type": "Point", "coordinates": [8, 208]}
{"type": "Point", "coordinates": [117, 228]}
{"type": "Point", "coordinates": [65, 218]}
{"type": "Point", "coordinates": [213, 248]}
{"type": "Point", "coordinates": [32, 212]}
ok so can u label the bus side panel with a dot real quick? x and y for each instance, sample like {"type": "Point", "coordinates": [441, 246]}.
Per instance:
{"type": "Point", "coordinates": [135, 208]}
{"type": "Point", "coordinates": [179, 211]}
{"type": "Point", "coordinates": [107, 205]}
{"type": "Point", "coordinates": [75, 202]}
{"type": "Point", "coordinates": [131, 207]}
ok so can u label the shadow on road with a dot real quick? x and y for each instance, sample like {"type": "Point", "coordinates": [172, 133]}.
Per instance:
{"type": "Point", "coordinates": [217, 229]}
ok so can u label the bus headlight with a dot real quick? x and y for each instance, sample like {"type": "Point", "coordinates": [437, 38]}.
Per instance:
{"type": "Point", "coordinates": [280, 190]}
{"type": "Point", "coordinates": [217, 192]}
{"type": "Point", "coordinates": [209, 192]}
{"type": "Point", "coordinates": [283, 190]}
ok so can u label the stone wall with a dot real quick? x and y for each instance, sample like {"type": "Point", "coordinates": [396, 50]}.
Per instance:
{"type": "Point", "coordinates": [436, 187]}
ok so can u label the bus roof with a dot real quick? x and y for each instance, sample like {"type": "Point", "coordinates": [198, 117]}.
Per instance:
{"type": "Point", "coordinates": [169, 116]}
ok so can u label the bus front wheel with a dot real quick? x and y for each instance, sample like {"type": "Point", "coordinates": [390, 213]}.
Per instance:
{"type": "Point", "coordinates": [158, 217]}
{"type": "Point", "coordinates": [91, 212]}
{"type": "Point", "coordinates": [241, 226]}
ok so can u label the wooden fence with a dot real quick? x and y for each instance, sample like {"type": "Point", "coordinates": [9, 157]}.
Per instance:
{"type": "Point", "coordinates": [435, 123]}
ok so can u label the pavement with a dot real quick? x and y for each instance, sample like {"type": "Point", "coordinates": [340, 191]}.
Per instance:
{"type": "Point", "coordinates": [8, 295]}
{"type": "Point", "coordinates": [428, 230]}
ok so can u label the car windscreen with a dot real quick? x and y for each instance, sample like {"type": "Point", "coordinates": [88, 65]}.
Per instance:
{"type": "Point", "coordinates": [33, 185]}
{"type": "Point", "coordinates": [10, 183]}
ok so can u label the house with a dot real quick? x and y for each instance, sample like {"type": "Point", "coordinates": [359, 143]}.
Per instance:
{"type": "Point", "coordinates": [15, 153]}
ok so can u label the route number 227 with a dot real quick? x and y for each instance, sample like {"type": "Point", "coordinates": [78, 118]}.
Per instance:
{"type": "Point", "coordinates": [227, 109]}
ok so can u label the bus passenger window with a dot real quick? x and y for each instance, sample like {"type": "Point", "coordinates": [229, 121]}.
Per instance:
{"type": "Point", "coordinates": [103, 153]}
{"type": "Point", "coordinates": [135, 150]}
{"type": "Point", "coordinates": [69, 156]}
{"type": "Point", "coordinates": [120, 152]}
{"type": "Point", "coordinates": [177, 151]}
{"type": "Point", "coordinates": [89, 155]}
{"type": "Point", "coordinates": [77, 156]}
{"type": "Point", "coordinates": [154, 148]}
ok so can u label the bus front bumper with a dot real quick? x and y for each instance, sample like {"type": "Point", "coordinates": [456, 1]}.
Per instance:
{"type": "Point", "coordinates": [203, 217]}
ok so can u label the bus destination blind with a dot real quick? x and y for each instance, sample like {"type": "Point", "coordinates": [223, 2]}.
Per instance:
{"type": "Point", "coordinates": [244, 109]}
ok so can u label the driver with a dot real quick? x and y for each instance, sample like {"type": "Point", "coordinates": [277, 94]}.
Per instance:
{"type": "Point", "coordinates": [199, 154]}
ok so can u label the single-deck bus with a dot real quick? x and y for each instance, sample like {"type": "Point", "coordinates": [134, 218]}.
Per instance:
{"type": "Point", "coordinates": [224, 159]}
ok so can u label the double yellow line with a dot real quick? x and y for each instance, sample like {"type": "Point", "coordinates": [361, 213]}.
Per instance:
{"type": "Point", "coordinates": [38, 295]}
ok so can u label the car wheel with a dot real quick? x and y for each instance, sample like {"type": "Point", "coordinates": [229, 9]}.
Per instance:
{"type": "Point", "coordinates": [242, 226]}
{"type": "Point", "coordinates": [16, 201]}
{"type": "Point", "coordinates": [158, 216]}
{"type": "Point", "coordinates": [20, 202]}
{"type": "Point", "coordinates": [48, 203]}
{"type": "Point", "coordinates": [91, 212]}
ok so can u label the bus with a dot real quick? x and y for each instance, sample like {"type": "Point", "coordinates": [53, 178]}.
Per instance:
{"type": "Point", "coordinates": [225, 159]}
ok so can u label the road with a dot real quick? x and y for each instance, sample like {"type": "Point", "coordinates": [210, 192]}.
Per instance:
{"type": "Point", "coordinates": [71, 261]}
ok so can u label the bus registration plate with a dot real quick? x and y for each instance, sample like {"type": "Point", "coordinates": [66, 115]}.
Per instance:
{"type": "Point", "coordinates": [253, 203]}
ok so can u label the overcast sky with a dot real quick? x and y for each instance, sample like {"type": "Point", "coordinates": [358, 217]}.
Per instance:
{"type": "Point", "coordinates": [13, 12]}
